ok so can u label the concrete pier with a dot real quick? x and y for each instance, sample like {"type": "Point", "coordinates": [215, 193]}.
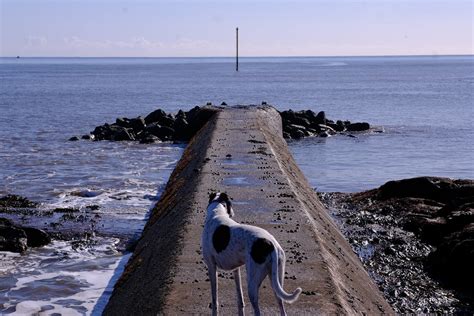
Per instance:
{"type": "Point", "coordinates": [241, 151]}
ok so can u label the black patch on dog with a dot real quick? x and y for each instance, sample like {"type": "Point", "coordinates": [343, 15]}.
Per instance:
{"type": "Point", "coordinates": [261, 248]}
{"type": "Point", "coordinates": [221, 238]}
{"type": "Point", "coordinates": [224, 198]}
{"type": "Point", "coordinates": [212, 196]}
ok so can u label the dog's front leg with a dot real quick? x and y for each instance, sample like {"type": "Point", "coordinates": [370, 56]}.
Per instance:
{"type": "Point", "coordinates": [211, 267]}
{"type": "Point", "coordinates": [240, 296]}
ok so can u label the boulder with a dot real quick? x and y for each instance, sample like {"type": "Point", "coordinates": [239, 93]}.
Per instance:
{"type": "Point", "coordinates": [36, 237]}
{"type": "Point", "coordinates": [164, 133]}
{"type": "Point", "coordinates": [320, 118]}
{"type": "Point", "coordinates": [123, 122]}
{"type": "Point", "coordinates": [287, 115]}
{"type": "Point", "coordinates": [358, 127]}
{"type": "Point", "coordinates": [198, 117]}
{"type": "Point", "coordinates": [16, 201]}
{"type": "Point", "coordinates": [298, 120]}
{"type": "Point", "coordinates": [73, 139]}
{"type": "Point", "coordinates": [137, 124]}
{"type": "Point", "coordinates": [12, 238]}
{"type": "Point", "coordinates": [336, 127]}
{"type": "Point", "coordinates": [453, 260]}
{"type": "Point", "coordinates": [326, 128]}
{"type": "Point", "coordinates": [155, 116]}
{"type": "Point", "coordinates": [296, 131]}
{"type": "Point", "coordinates": [149, 139]}
{"type": "Point", "coordinates": [434, 188]}
{"type": "Point", "coordinates": [121, 133]}
{"type": "Point", "coordinates": [183, 131]}
{"type": "Point", "coordinates": [181, 114]}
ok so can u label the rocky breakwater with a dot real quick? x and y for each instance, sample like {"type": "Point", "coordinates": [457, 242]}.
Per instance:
{"type": "Point", "coordinates": [16, 238]}
{"type": "Point", "coordinates": [180, 127]}
{"type": "Point", "coordinates": [307, 123]}
{"type": "Point", "coordinates": [416, 239]}
{"type": "Point", "coordinates": [156, 126]}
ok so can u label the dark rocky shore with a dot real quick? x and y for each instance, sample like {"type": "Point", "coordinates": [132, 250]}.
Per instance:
{"type": "Point", "coordinates": [416, 239]}
{"type": "Point", "coordinates": [25, 224]}
{"type": "Point", "coordinates": [180, 127]}
{"type": "Point", "coordinates": [16, 238]}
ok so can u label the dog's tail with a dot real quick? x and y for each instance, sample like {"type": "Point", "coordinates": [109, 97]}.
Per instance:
{"type": "Point", "coordinates": [277, 286]}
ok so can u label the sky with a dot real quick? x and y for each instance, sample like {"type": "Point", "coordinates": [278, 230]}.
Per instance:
{"type": "Point", "coordinates": [195, 28]}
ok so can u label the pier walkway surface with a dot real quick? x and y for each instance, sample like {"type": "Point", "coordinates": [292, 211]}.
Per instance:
{"type": "Point", "coordinates": [241, 151]}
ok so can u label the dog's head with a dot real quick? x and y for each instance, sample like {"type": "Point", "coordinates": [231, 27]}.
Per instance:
{"type": "Point", "coordinates": [224, 199]}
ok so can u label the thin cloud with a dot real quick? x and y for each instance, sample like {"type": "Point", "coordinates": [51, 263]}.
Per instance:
{"type": "Point", "coordinates": [36, 41]}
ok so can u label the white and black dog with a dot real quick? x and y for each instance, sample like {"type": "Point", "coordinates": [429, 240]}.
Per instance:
{"type": "Point", "coordinates": [228, 245]}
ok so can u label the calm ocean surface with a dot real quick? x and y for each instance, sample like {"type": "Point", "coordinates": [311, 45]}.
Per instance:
{"type": "Point", "coordinates": [424, 104]}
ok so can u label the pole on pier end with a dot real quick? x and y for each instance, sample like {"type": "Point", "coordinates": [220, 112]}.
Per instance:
{"type": "Point", "coordinates": [236, 49]}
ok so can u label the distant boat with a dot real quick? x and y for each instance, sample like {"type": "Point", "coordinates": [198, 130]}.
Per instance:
{"type": "Point", "coordinates": [17, 56]}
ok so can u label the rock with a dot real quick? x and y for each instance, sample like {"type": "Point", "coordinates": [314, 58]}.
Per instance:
{"type": "Point", "coordinates": [149, 139]}
{"type": "Point", "coordinates": [16, 201]}
{"type": "Point", "coordinates": [181, 114]}
{"type": "Point", "coordinates": [86, 137]}
{"type": "Point", "coordinates": [316, 124]}
{"type": "Point", "coordinates": [324, 134]}
{"type": "Point", "coordinates": [198, 117]}
{"type": "Point", "coordinates": [434, 188]}
{"type": "Point", "coordinates": [36, 237]}
{"type": "Point", "coordinates": [358, 127]}
{"type": "Point", "coordinates": [421, 231]}
{"type": "Point", "coordinates": [301, 121]}
{"type": "Point", "coordinates": [326, 128]}
{"type": "Point", "coordinates": [121, 133]}
{"type": "Point", "coordinates": [320, 118]}
{"type": "Point", "coordinates": [152, 129]}
{"type": "Point", "coordinates": [86, 193]}
{"type": "Point", "coordinates": [453, 260]}
{"type": "Point", "coordinates": [159, 116]}
{"type": "Point", "coordinates": [287, 116]}
{"type": "Point", "coordinates": [182, 130]}
{"type": "Point", "coordinates": [336, 127]}
{"type": "Point", "coordinates": [224, 104]}
{"type": "Point", "coordinates": [123, 122]}
{"type": "Point", "coordinates": [297, 134]}
{"type": "Point", "coordinates": [295, 131]}
{"type": "Point", "coordinates": [12, 238]}
{"type": "Point", "coordinates": [167, 133]}
{"type": "Point", "coordinates": [137, 124]}
{"type": "Point", "coordinates": [73, 139]}
{"type": "Point", "coordinates": [155, 116]}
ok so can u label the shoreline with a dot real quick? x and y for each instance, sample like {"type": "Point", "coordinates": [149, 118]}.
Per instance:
{"type": "Point", "coordinates": [379, 242]}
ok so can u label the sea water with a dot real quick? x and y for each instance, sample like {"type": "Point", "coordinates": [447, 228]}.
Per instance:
{"type": "Point", "coordinates": [424, 105]}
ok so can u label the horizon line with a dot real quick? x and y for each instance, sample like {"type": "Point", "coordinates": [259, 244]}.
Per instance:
{"type": "Point", "coordinates": [275, 56]}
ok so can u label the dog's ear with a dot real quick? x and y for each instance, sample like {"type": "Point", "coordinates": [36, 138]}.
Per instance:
{"type": "Point", "coordinates": [223, 197]}
{"type": "Point", "coordinates": [212, 196]}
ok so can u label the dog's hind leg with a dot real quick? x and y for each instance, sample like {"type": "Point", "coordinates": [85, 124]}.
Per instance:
{"type": "Point", "coordinates": [255, 275]}
{"type": "Point", "coordinates": [212, 270]}
{"type": "Point", "coordinates": [240, 296]}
